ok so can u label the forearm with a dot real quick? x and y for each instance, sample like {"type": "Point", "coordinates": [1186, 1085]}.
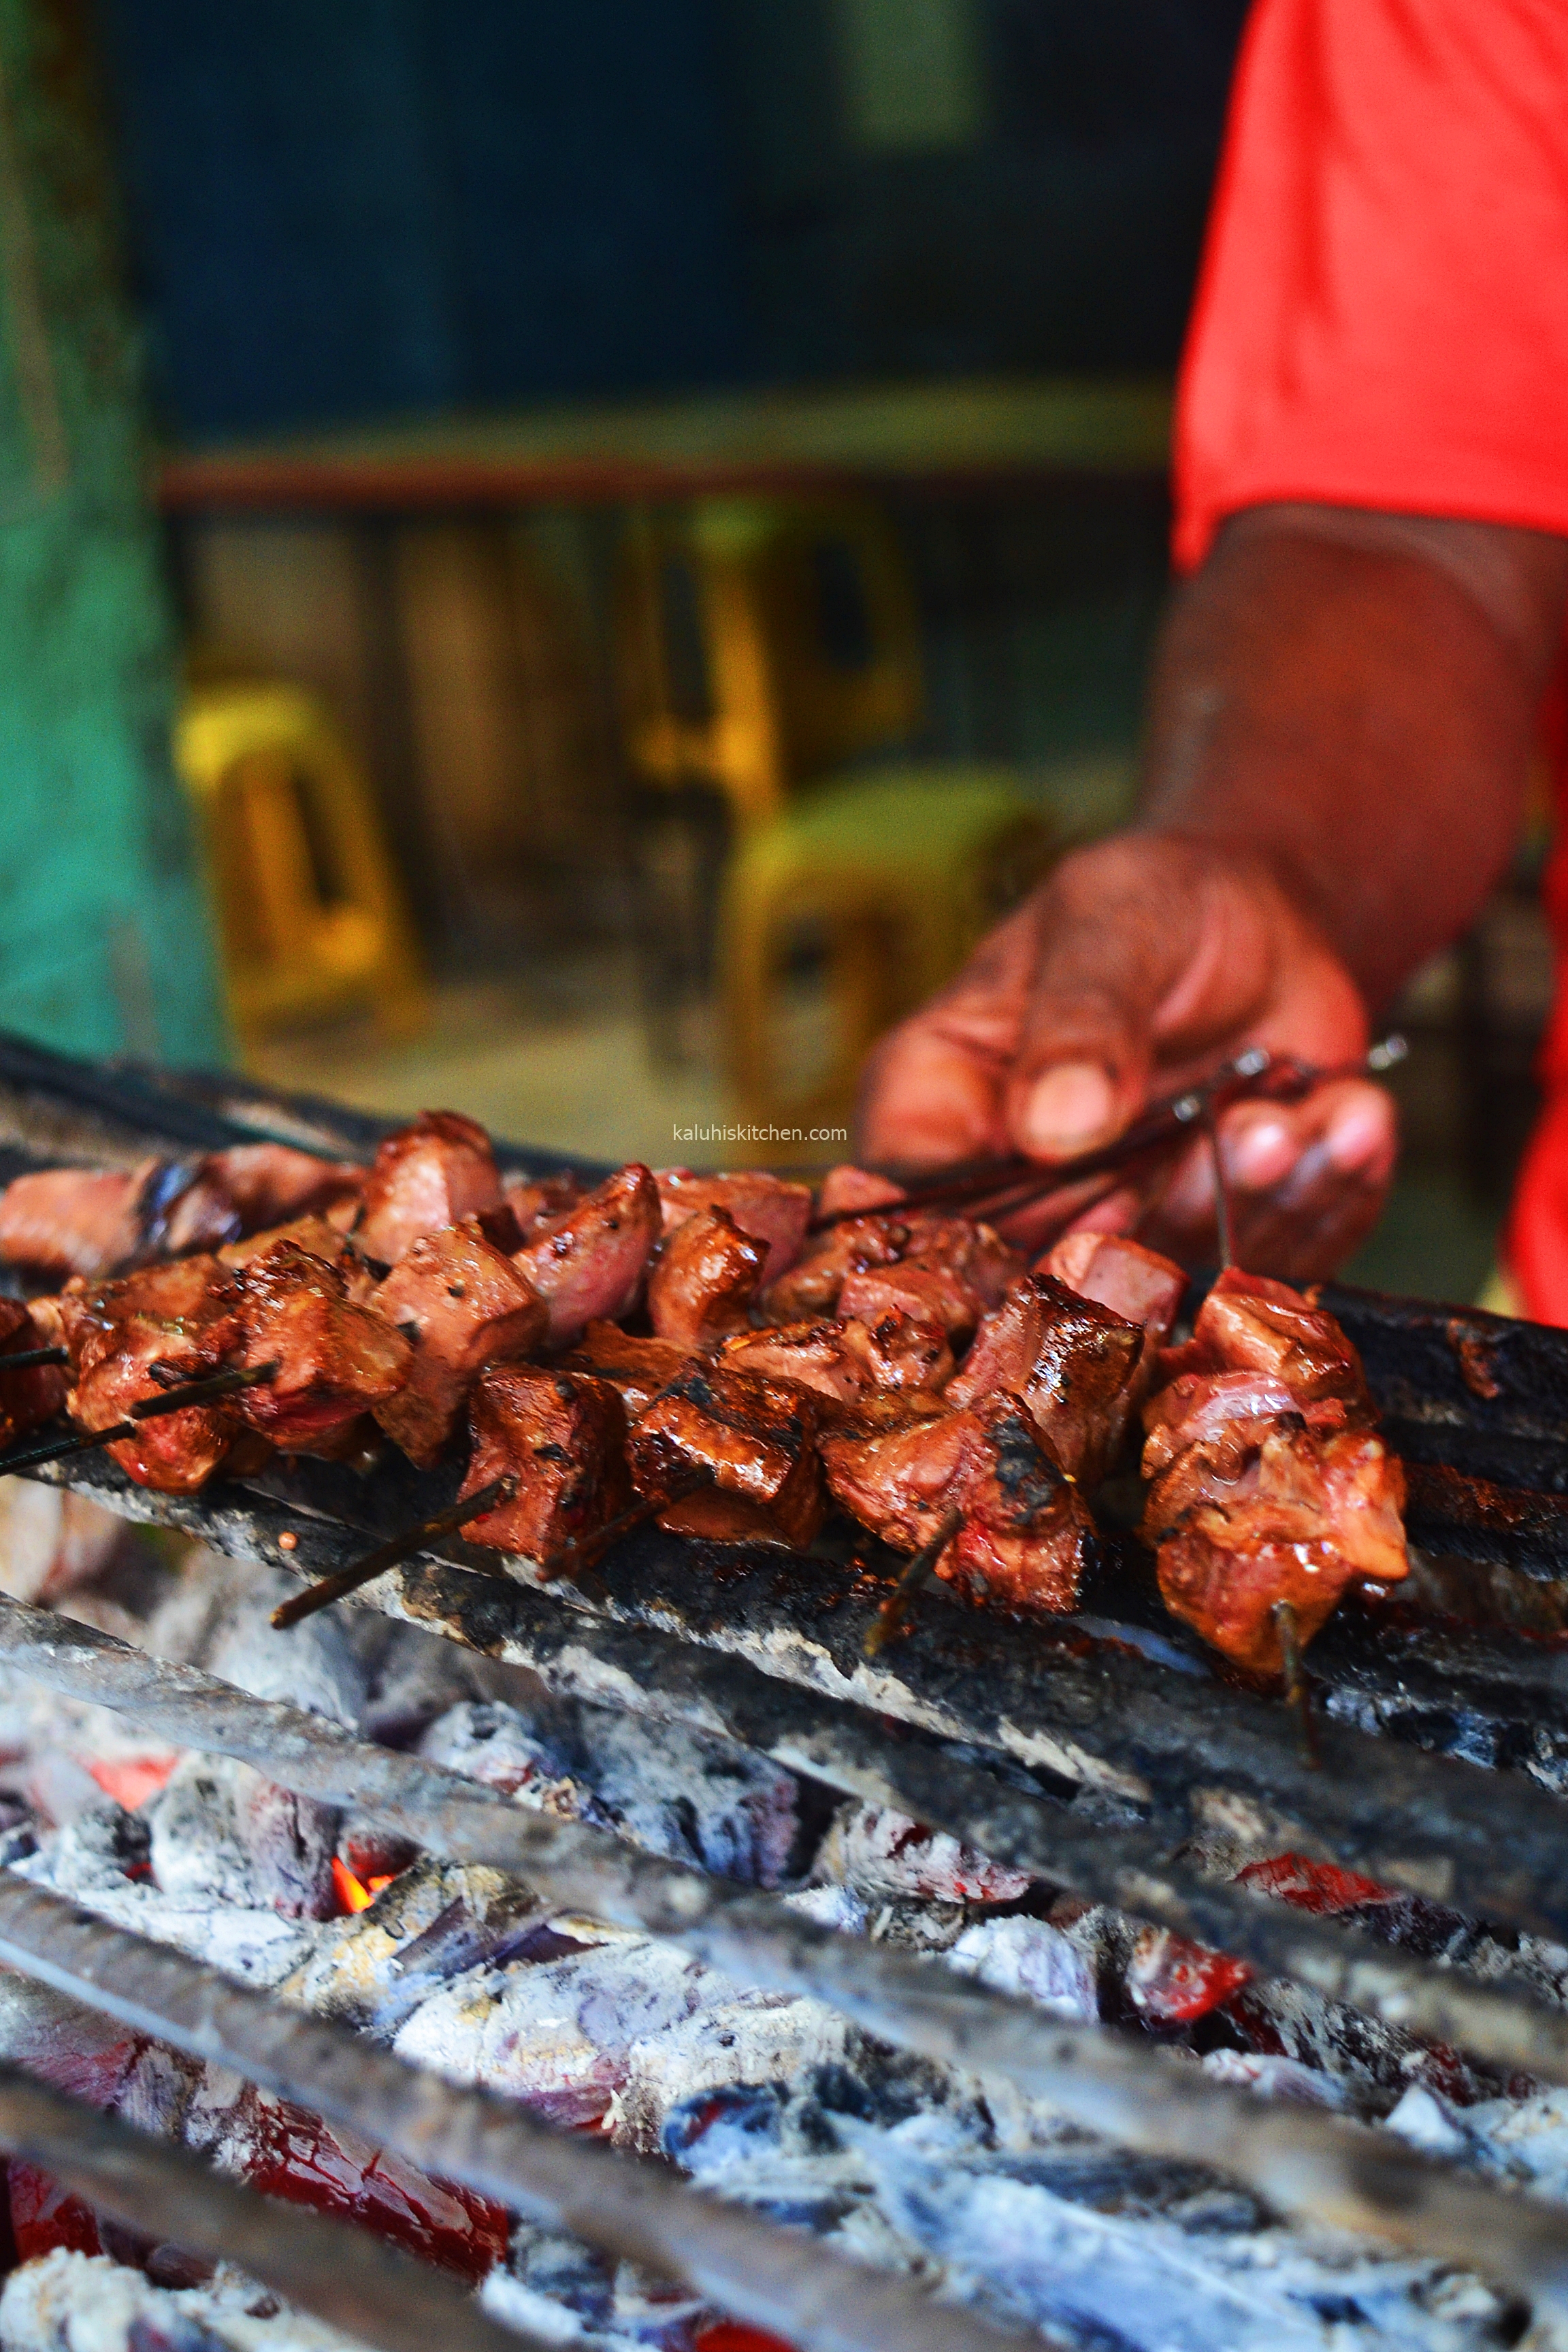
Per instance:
{"type": "Point", "coordinates": [1352, 698]}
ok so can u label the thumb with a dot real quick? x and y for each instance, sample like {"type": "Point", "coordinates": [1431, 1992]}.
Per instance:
{"type": "Point", "coordinates": [1110, 946]}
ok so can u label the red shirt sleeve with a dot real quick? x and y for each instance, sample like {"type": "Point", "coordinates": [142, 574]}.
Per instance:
{"type": "Point", "coordinates": [1382, 315]}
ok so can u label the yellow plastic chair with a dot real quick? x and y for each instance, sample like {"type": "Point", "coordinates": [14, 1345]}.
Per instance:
{"type": "Point", "coordinates": [310, 916]}
{"type": "Point", "coordinates": [764, 643]}
{"type": "Point", "coordinates": [890, 882]}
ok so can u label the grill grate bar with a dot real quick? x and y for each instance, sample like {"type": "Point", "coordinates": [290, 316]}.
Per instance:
{"type": "Point", "coordinates": [344, 2274]}
{"type": "Point", "coordinates": [1301, 2162]}
{"type": "Point", "coordinates": [623, 2205]}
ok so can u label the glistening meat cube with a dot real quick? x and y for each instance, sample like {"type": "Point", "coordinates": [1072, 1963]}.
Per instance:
{"type": "Point", "coordinates": [811, 1287]}
{"type": "Point", "coordinates": [322, 1240]}
{"type": "Point", "coordinates": [848, 1363]}
{"type": "Point", "coordinates": [704, 1279]}
{"type": "Point", "coordinates": [463, 1306]}
{"type": "Point", "coordinates": [1121, 1275]}
{"type": "Point", "coordinates": [253, 1186]}
{"type": "Point", "coordinates": [590, 1263]}
{"type": "Point", "coordinates": [769, 1208]}
{"type": "Point", "coordinates": [1303, 1517]}
{"type": "Point", "coordinates": [186, 1320]}
{"type": "Point", "coordinates": [563, 1436]}
{"type": "Point", "coordinates": [637, 1368]}
{"type": "Point", "coordinates": [427, 1176]}
{"type": "Point", "coordinates": [27, 1398]}
{"type": "Point", "coordinates": [754, 1438]}
{"type": "Point", "coordinates": [66, 1221]}
{"type": "Point", "coordinates": [336, 1360]}
{"type": "Point", "coordinates": [1073, 1362]}
{"type": "Point", "coordinates": [1024, 1537]}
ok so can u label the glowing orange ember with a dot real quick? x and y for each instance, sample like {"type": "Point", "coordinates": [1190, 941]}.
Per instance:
{"type": "Point", "coordinates": [356, 1893]}
{"type": "Point", "coordinates": [133, 1778]}
{"type": "Point", "coordinates": [729, 2335]}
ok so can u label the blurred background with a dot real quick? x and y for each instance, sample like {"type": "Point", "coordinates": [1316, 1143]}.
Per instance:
{"type": "Point", "coordinates": [568, 560]}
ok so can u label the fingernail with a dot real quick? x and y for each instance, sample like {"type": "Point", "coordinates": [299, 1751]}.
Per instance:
{"type": "Point", "coordinates": [1359, 1134]}
{"type": "Point", "coordinates": [1071, 1108]}
{"type": "Point", "coordinates": [1259, 1155]}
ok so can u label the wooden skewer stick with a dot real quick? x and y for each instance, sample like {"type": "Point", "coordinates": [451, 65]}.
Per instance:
{"type": "Point", "coordinates": [328, 1588]}
{"type": "Point", "coordinates": [176, 1400]}
{"type": "Point", "coordinates": [578, 1553]}
{"type": "Point", "coordinates": [29, 1360]}
{"type": "Point", "coordinates": [894, 1609]}
{"type": "Point", "coordinates": [1297, 1695]}
{"type": "Point", "coordinates": [1223, 1216]}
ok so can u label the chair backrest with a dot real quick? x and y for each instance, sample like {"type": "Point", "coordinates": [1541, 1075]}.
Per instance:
{"type": "Point", "coordinates": [764, 642]}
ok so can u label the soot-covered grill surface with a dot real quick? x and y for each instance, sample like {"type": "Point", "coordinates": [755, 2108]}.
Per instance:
{"type": "Point", "coordinates": [1117, 1712]}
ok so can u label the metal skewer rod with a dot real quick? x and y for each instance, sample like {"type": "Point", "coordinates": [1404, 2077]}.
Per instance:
{"type": "Point", "coordinates": [895, 1609]}
{"type": "Point", "coordinates": [27, 1359]}
{"type": "Point", "coordinates": [344, 2274]}
{"type": "Point", "coordinates": [1303, 2161]}
{"type": "Point", "coordinates": [1223, 1217]}
{"type": "Point", "coordinates": [183, 1399]}
{"type": "Point", "coordinates": [328, 1589]}
{"type": "Point", "coordinates": [582, 1548]}
{"type": "Point", "coordinates": [1297, 1695]}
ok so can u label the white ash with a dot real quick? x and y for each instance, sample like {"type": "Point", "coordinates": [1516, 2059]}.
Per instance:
{"type": "Point", "coordinates": [880, 1852]}
{"type": "Point", "coordinates": [85, 2302]}
{"type": "Point", "coordinates": [220, 1828]}
{"type": "Point", "coordinates": [436, 1921]}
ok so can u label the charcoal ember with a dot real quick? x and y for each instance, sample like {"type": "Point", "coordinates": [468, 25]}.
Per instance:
{"type": "Point", "coordinates": [753, 1439]}
{"type": "Point", "coordinates": [669, 1790]}
{"type": "Point", "coordinates": [416, 1679]}
{"type": "Point", "coordinates": [1276, 2078]}
{"type": "Point", "coordinates": [588, 1266]}
{"type": "Point", "coordinates": [69, 2301]}
{"type": "Point", "coordinates": [220, 1828]}
{"type": "Point", "coordinates": [494, 1743]}
{"type": "Point", "coordinates": [704, 1280]}
{"type": "Point", "coordinates": [53, 1540]}
{"type": "Point", "coordinates": [748, 2038]}
{"type": "Point", "coordinates": [313, 1665]}
{"type": "Point", "coordinates": [101, 1846]}
{"type": "Point", "coordinates": [369, 1851]}
{"type": "Point", "coordinates": [1374, 2064]}
{"type": "Point", "coordinates": [559, 2274]}
{"type": "Point", "coordinates": [546, 2277]}
{"type": "Point", "coordinates": [436, 1923]}
{"type": "Point", "coordinates": [282, 2150]}
{"type": "Point", "coordinates": [876, 1852]}
{"type": "Point", "coordinates": [463, 1305]}
{"type": "Point", "coordinates": [560, 1435]}
{"type": "Point", "coordinates": [431, 1174]}
{"type": "Point", "coordinates": [1170, 1980]}
{"type": "Point", "coordinates": [1032, 1958]}
{"type": "Point", "coordinates": [557, 2034]}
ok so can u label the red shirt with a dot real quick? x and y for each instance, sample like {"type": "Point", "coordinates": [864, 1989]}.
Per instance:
{"type": "Point", "coordinates": [1382, 320]}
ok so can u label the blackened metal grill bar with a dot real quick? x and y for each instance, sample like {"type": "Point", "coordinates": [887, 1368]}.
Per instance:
{"type": "Point", "coordinates": [344, 2274]}
{"type": "Point", "coordinates": [1300, 2161]}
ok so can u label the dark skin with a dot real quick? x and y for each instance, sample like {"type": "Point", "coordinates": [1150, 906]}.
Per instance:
{"type": "Point", "coordinates": [1342, 717]}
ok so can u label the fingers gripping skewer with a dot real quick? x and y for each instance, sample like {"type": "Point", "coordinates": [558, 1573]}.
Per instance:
{"type": "Point", "coordinates": [894, 1609]}
{"type": "Point", "coordinates": [349, 1580]}
{"type": "Point", "coordinates": [189, 1393]}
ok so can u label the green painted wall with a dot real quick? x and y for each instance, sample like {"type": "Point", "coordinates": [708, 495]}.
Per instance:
{"type": "Point", "coordinates": [104, 944]}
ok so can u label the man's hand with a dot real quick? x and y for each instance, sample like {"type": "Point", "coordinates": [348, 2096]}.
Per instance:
{"type": "Point", "coordinates": [1136, 967]}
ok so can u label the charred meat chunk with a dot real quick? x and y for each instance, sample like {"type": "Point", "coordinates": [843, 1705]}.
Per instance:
{"type": "Point", "coordinates": [74, 1221]}
{"type": "Point", "coordinates": [812, 1286]}
{"type": "Point", "coordinates": [322, 1240]}
{"type": "Point", "coordinates": [1302, 1519]}
{"type": "Point", "coordinates": [845, 1362]}
{"type": "Point", "coordinates": [1023, 1537]}
{"type": "Point", "coordinates": [463, 1306]}
{"type": "Point", "coordinates": [848, 1187]}
{"type": "Point", "coordinates": [562, 1435]}
{"type": "Point", "coordinates": [133, 1340]}
{"type": "Point", "coordinates": [1072, 1361]}
{"type": "Point", "coordinates": [768, 1208]}
{"type": "Point", "coordinates": [702, 1283]}
{"type": "Point", "coordinates": [754, 1438]}
{"type": "Point", "coordinates": [590, 1263]}
{"type": "Point", "coordinates": [537, 1199]}
{"type": "Point", "coordinates": [432, 1174]}
{"type": "Point", "coordinates": [637, 1368]}
{"type": "Point", "coordinates": [1133, 1281]}
{"type": "Point", "coordinates": [1269, 1482]}
{"type": "Point", "coordinates": [251, 1187]}
{"type": "Point", "coordinates": [336, 1360]}
{"type": "Point", "coordinates": [27, 1398]}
